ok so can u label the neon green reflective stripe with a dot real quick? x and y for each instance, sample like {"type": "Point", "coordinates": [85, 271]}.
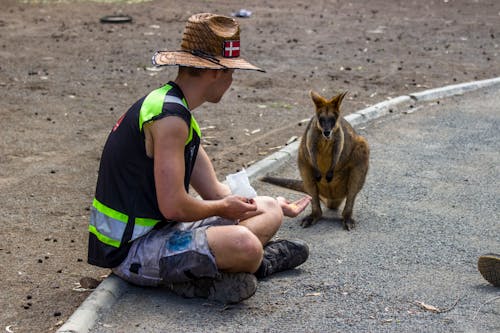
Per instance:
{"type": "Point", "coordinates": [185, 102]}
{"type": "Point", "coordinates": [110, 211]}
{"type": "Point", "coordinates": [152, 105]}
{"type": "Point", "coordinates": [103, 238]}
{"type": "Point", "coordinates": [195, 127]}
{"type": "Point", "coordinates": [145, 222]}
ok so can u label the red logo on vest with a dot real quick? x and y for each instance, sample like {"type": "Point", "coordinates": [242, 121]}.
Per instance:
{"type": "Point", "coordinates": [118, 123]}
{"type": "Point", "coordinates": [231, 49]}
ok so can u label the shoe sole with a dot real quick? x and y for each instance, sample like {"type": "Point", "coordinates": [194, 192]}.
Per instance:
{"type": "Point", "coordinates": [228, 292]}
{"type": "Point", "coordinates": [489, 267]}
{"type": "Point", "coordinates": [229, 289]}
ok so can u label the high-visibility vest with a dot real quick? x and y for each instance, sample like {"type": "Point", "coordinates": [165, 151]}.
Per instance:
{"type": "Point", "coordinates": [125, 206]}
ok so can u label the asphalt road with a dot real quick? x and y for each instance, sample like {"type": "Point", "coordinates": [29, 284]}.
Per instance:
{"type": "Point", "coordinates": [429, 208]}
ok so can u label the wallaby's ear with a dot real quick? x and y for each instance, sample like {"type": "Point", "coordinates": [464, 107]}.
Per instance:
{"type": "Point", "coordinates": [337, 100]}
{"type": "Point", "coordinates": [317, 99]}
{"type": "Point", "coordinates": [341, 96]}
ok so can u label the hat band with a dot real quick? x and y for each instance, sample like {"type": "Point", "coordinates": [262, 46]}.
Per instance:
{"type": "Point", "coordinates": [206, 56]}
{"type": "Point", "coordinates": [197, 53]}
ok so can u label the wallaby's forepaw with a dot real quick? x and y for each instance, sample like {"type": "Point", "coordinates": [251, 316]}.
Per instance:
{"type": "Point", "coordinates": [317, 175]}
{"type": "Point", "coordinates": [309, 220]}
{"type": "Point", "coordinates": [329, 176]}
{"type": "Point", "coordinates": [348, 224]}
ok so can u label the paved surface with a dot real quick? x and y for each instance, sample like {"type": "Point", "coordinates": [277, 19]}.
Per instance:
{"type": "Point", "coordinates": [429, 208]}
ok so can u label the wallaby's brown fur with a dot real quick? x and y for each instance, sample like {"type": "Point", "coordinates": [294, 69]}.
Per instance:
{"type": "Point", "coordinates": [332, 159]}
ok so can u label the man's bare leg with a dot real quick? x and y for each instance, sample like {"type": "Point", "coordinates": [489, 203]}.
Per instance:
{"type": "Point", "coordinates": [266, 221]}
{"type": "Point", "coordinates": [239, 248]}
{"type": "Point", "coordinates": [235, 248]}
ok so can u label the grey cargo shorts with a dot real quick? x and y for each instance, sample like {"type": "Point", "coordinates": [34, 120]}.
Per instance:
{"type": "Point", "coordinates": [175, 253]}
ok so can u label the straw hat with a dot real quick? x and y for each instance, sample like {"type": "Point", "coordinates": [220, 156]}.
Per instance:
{"type": "Point", "coordinates": [209, 41]}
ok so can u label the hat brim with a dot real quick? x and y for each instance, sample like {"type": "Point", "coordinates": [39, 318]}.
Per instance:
{"type": "Point", "coordinates": [179, 58]}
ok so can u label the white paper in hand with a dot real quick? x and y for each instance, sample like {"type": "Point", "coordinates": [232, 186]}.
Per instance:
{"type": "Point", "coordinates": [240, 185]}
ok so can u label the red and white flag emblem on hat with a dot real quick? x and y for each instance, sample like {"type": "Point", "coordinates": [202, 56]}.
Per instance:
{"type": "Point", "coordinates": [231, 49]}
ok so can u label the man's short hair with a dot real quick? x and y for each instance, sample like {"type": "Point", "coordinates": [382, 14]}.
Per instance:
{"type": "Point", "coordinates": [191, 71]}
{"type": "Point", "coordinates": [196, 72]}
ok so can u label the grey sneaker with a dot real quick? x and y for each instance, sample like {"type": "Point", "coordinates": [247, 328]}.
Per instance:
{"type": "Point", "coordinates": [281, 255]}
{"type": "Point", "coordinates": [229, 288]}
{"type": "Point", "coordinates": [489, 267]}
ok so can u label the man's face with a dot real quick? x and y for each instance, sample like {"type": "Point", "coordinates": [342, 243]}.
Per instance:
{"type": "Point", "coordinates": [221, 85]}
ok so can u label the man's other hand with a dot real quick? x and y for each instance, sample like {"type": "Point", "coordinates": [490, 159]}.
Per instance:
{"type": "Point", "coordinates": [292, 209]}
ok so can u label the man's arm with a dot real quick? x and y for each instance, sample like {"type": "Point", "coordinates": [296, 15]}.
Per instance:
{"type": "Point", "coordinates": [204, 179]}
{"type": "Point", "coordinates": [169, 135]}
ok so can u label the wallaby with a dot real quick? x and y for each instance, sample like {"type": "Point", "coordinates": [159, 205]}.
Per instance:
{"type": "Point", "coordinates": [332, 159]}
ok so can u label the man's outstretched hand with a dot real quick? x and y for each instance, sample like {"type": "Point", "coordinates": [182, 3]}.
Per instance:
{"type": "Point", "coordinates": [292, 209]}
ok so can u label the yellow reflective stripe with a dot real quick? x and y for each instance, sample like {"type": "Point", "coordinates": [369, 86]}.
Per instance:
{"type": "Point", "coordinates": [152, 105]}
{"type": "Point", "coordinates": [142, 221]}
{"type": "Point", "coordinates": [109, 211]}
{"type": "Point", "coordinates": [145, 222]}
{"type": "Point", "coordinates": [104, 239]}
{"type": "Point", "coordinates": [109, 224]}
{"type": "Point", "coordinates": [194, 126]}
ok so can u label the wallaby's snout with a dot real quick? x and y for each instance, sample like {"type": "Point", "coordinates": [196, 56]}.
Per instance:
{"type": "Point", "coordinates": [327, 126]}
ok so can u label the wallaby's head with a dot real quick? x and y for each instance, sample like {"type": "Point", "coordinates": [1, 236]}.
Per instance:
{"type": "Point", "coordinates": [327, 113]}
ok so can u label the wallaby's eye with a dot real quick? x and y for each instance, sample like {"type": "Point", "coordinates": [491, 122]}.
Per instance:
{"type": "Point", "coordinates": [323, 121]}
{"type": "Point", "coordinates": [327, 121]}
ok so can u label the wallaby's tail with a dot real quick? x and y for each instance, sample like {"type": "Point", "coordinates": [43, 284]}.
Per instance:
{"type": "Point", "coordinates": [292, 184]}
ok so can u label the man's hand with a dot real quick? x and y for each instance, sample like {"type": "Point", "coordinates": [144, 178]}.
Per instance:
{"type": "Point", "coordinates": [292, 209]}
{"type": "Point", "coordinates": [237, 207]}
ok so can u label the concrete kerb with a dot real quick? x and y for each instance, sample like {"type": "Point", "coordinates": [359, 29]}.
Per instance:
{"type": "Point", "coordinates": [111, 289]}
{"type": "Point", "coordinates": [99, 301]}
{"type": "Point", "coordinates": [452, 90]}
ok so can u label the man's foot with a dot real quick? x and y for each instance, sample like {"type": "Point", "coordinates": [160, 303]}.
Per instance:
{"type": "Point", "coordinates": [281, 255]}
{"type": "Point", "coordinates": [489, 267]}
{"type": "Point", "coordinates": [228, 288]}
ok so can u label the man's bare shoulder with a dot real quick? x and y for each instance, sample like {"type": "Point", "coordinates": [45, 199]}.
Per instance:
{"type": "Point", "coordinates": [167, 131]}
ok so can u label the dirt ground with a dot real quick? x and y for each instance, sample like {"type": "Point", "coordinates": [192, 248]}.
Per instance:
{"type": "Point", "coordinates": [65, 78]}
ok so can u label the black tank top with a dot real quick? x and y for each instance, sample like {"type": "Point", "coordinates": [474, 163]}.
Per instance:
{"type": "Point", "coordinates": [125, 181]}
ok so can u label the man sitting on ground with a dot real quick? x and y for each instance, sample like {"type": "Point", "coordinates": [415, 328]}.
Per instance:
{"type": "Point", "coordinates": [145, 226]}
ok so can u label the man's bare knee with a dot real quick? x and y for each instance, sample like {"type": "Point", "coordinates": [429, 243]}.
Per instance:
{"type": "Point", "coordinates": [248, 247]}
{"type": "Point", "coordinates": [235, 248]}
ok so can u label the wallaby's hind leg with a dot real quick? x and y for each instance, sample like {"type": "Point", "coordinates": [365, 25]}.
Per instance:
{"type": "Point", "coordinates": [356, 181]}
{"type": "Point", "coordinates": [347, 221]}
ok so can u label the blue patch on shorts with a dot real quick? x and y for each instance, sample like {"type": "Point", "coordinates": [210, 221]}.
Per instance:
{"type": "Point", "coordinates": [179, 241]}
{"type": "Point", "coordinates": [183, 260]}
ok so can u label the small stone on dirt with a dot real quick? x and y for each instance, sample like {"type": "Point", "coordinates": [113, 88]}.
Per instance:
{"type": "Point", "coordinates": [89, 283]}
